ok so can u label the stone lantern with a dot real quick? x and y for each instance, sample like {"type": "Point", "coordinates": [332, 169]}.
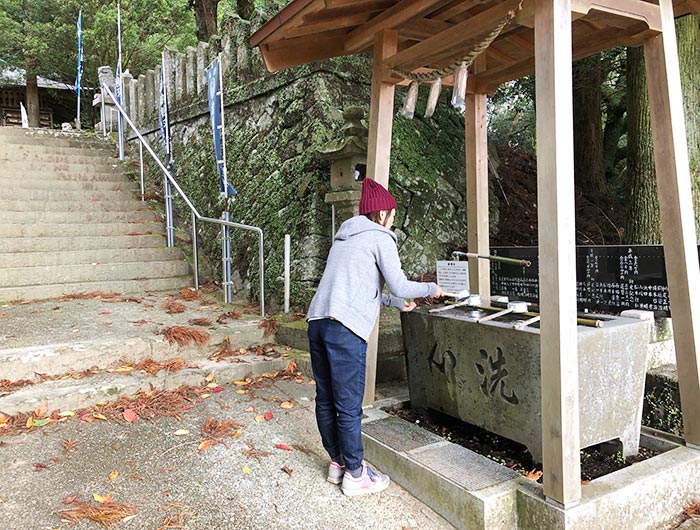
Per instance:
{"type": "Point", "coordinates": [349, 164]}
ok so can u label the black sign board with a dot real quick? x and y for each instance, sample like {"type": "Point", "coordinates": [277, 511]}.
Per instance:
{"type": "Point", "coordinates": [608, 278]}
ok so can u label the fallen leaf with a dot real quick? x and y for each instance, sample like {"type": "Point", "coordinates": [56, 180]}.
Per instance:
{"type": "Point", "coordinates": [298, 380]}
{"type": "Point", "coordinates": [204, 445]}
{"type": "Point", "coordinates": [41, 409]}
{"type": "Point", "coordinates": [286, 405]}
{"type": "Point", "coordinates": [260, 418]}
{"type": "Point", "coordinates": [209, 378]}
{"type": "Point", "coordinates": [268, 416]}
{"type": "Point", "coordinates": [246, 469]}
{"type": "Point", "coordinates": [30, 422]}
{"type": "Point", "coordinates": [284, 447]}
{"type": "Point", "coordinates": [534, 474]}
{"type": "Point", "coordinates": [66, 414]}
{"type": "Point", "coordinates": [181, 432]}
{"type": "Point", "coordinates": [38, 466]}
{"type": "Point", "coordinates": [70, 499]}
{"type": "Point", "coordinates": [240, 383]}
{"type": "Point", "coordinates": [204, 396]}
{"type": "Point", "coordinates": [87, 418]}
{"type": "Point", "coordinates": [129, 415]}
{"type": "Point", "coordinates": [41, 423]}
{"type": "Point", "coordinates": [287, 470]}
{"type": "Point", "coordinates": [99, 417]}
{"type": "Point", "coordinates": [114, 474]}
{"type": "Point", "coordinates": [217, 388]}
{"type": "Point", "coordinates": [239, 391]}
{"type": "Point", "coordinates": [250, 409]}
{"type": "Point", "coordinates": [124, 369]}
{"type": "Point", "coordinates": [102, 499]}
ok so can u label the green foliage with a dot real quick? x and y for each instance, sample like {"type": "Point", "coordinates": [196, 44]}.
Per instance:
{"type": "Point", "coordinates": [511, 114]}
{"type": "Point", "coordinates": [46, 30]}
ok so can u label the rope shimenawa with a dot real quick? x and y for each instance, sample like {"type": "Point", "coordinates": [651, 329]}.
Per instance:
{"type": "Point", "coordinates": [467, 61]}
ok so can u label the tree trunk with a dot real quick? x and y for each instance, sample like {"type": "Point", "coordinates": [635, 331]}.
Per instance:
{"type": "Point", "coordinates": [32, 95]}
{"type": "Point", "coordinates": [588, 129]}
{"type": "Point", "coordinates": [205, 18]}
{"type": "Point", "coordinates": [688, 34]}
{"type": "Point", "coordinates": [642, 224]}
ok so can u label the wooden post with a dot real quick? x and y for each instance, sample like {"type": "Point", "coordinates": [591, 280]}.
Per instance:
{"type": "Point", "coordinates": [557, 253]}
{"type": "Point", "coordinates": [381, 115]}
{"type": "Point", "coordinates": [676, 208]}
{"type": "Point", "coordinates": [477, 166]}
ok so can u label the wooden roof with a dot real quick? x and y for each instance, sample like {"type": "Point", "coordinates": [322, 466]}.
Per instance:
{"type": "Point", "coordinates": [434, 34]}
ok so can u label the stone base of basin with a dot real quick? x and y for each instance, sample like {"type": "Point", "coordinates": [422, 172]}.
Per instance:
{"type": "Point", "coordinates": [475, 493]}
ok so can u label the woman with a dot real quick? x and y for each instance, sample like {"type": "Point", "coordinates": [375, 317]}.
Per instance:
{"type": "Point", "coordinates": [341, 316]}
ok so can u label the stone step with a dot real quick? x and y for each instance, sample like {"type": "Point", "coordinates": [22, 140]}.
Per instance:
{"type": "Point", "coordinates": [94, 229]}
{"type": "Point", "coordinates": [121, 183]}
{"type": "Point", "coordinates": [17, 135]}
{"type": "Point", "coordinates": [71, 394]}
{"type": "Point", "coordinates": [57, 244]}
{"type": "Point", "coordinates": [116, 175]}
{"type": "Point", "coordinates": [14, 159]}
{"type": "Point", "coordinates": [40, 292]}
{"type": "Point", "coordinates": [63, 195]}
{"type": "Point", "coordinates": [40, 164]}
{"type": "Point", "coordinates": [61, 206]}
{"type": "Point", "coordinates": [74, 257]}
{"type": "Point", "coordinates": [97, 272]}
{"type": "Point", "coordinates": [23, 151]}
{"type": "Point", "coordinates": [138, 216]}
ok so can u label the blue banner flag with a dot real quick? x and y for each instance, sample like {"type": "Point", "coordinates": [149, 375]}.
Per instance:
{"type": "Point", "coordinates": [214, 97]}
{"type": "Point", "coordinates": [79, 72]}
{"type": "Point", "coordinates": [163, 115]}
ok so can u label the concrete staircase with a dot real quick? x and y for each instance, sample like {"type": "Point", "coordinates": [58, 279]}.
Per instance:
{"type": "Point", "coordinates": [72, 222]}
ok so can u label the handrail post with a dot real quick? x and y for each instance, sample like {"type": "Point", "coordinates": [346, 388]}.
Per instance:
{"type": "Point", "coordinates": [223, 263]}
{"type": "Point", "coordinates": [143, 189]}
{"type": "Point", "coordinates": [262, 274]}
{"type": "Point", "coordinates": [194, 252]}
{"type": "Point", "coordinates": [287, 252]}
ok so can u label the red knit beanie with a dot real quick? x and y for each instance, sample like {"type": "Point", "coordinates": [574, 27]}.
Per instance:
{"type": "Point", "coordinates": [375, 197]}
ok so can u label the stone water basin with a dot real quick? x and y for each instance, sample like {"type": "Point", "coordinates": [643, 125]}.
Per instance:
{"type": "Point", "coordinates": [488, 375]}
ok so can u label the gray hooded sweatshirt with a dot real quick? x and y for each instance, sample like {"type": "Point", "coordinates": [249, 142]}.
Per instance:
{"type": "Point", "coordinates": [363, 257]}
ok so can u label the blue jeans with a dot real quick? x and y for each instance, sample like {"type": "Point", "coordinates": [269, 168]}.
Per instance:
{"type": "Point", "coordinates": [338, 363]}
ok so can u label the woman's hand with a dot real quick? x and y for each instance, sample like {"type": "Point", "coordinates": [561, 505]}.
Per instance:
{"type": "Point", "coordinates": [438, 293]}
{"type": "Point", "coordinates": [408, 306]}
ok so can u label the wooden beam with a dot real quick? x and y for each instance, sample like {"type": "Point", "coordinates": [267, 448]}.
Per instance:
{"type": "Point", "coordinates": [422, 28]}
{"type": "Point", "coordinates": [636, 9]}
{"type": "Point", "coordinates": [282, 54]}
{"type": "Point", "coordinates": [357, 8]}
{"type": "Point", "coordinates": [557, 254]}
{"type": "Point", "coordinates": [693, 5]}
{"type": "Point", "coordinates": [477, 175]}
{"type": "Point", "coordinates": [457, 9]}
{"type": "Point", "coordinates": [393, 17]}
{"type": "Point", "coordinates": [381, 115]}
{"type": "Point", "coordinates": [323, 26]}
{"type": "Point", "coordinates": [676, 209]}
{"type": "Point", "coordinates": [461, 34]}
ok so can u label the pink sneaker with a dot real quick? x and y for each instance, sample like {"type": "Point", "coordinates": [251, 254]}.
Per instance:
{"type": "Point", "coordinates": [335, 473]}
{"type": "Point", "coordinates": [369, 482]}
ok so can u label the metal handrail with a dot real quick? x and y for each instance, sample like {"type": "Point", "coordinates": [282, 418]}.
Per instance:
{"type": "Point", "coordinates": [195, 214]}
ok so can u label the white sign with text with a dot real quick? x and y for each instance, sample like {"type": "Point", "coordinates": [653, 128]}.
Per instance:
{"type": "Point", "coordinates": [453, 276]}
